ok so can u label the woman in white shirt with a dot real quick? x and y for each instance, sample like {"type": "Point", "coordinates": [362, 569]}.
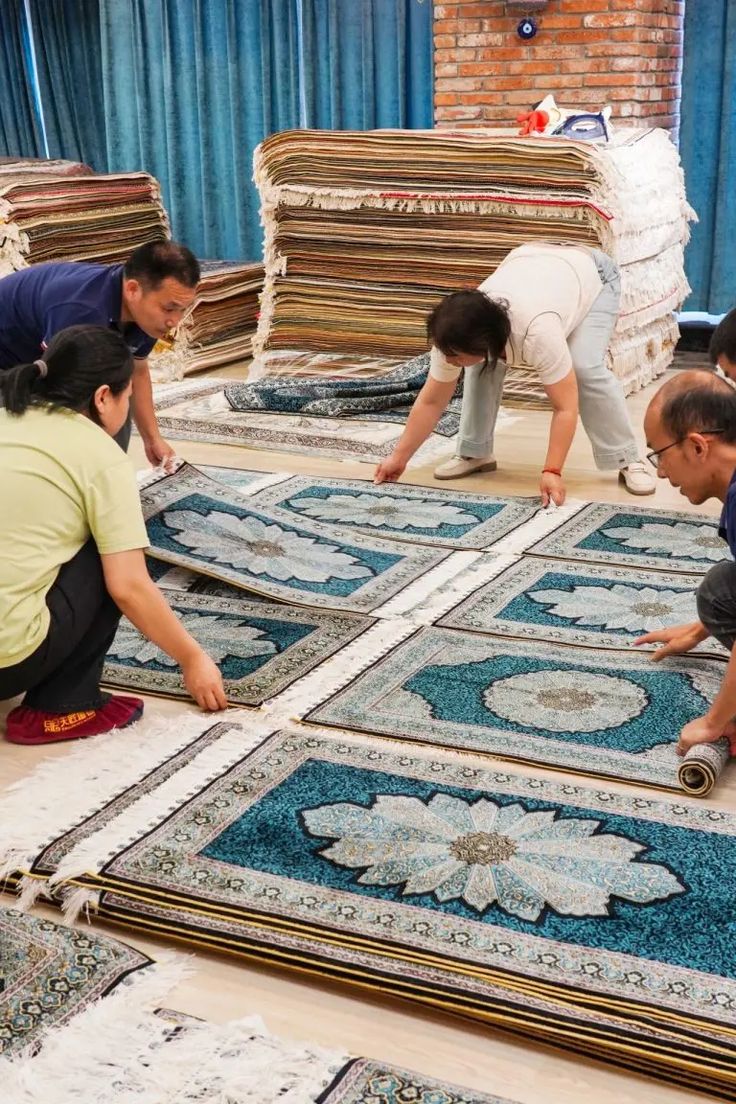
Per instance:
{"type": "Point", "coordinates": [547, 307]}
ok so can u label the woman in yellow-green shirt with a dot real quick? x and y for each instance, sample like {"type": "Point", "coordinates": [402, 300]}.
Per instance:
{"type": "Point", "coordinates": [71, 545]}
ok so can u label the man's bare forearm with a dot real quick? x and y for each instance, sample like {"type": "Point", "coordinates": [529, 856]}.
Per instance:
{"type": "Point", "coordinates": [144, 413]}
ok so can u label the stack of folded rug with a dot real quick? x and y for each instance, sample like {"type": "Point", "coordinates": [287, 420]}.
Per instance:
{"type": "Point", "coordinates": [61, 211]}
{"type": "Point", "coordinates": [219, 328]}
{"type": "Point", "coordinates": [365, 231]}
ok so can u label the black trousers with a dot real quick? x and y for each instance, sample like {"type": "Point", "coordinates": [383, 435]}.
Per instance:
{"type": "Point", "coordinates": [717, 602]}
{"type": "Point", "coordinates": [123, 435]}
{"type": "Point", "coordinates": [63, 674]}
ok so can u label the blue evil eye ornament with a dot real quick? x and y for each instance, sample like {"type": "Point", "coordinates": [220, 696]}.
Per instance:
{"type": "Point", "coordinates": [527, 28]}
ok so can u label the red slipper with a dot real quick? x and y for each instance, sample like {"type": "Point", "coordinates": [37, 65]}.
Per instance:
{"type": "Point", "coordinates": [35, 726]}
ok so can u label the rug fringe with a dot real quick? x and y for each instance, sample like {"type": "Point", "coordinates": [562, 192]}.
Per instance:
{"type": "Point", "coordinates": [418, 591]}
{"type": "Point", "coordinates": [336, 672]}
{"type": "Point", "coordinates": [120, 1049]}
{"type": "Point", "coordinates": [30, 891]}
{"type": "Point", "coordinates": [149, 808]}
{"type": "Point", "coordinates": [268, 479]}
{"type": "Point", "coordinates": [60, 793]}
{"type": "Point", "coordinates": [77, 901]}
{"type": "Point", "coordinates": [546, 521]}
{"type": "Point", "coordinates": [447, 597]}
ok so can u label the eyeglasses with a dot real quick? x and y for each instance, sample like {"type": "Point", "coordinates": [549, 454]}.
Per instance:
{"type": "Point", "coordinates": [653, 457]}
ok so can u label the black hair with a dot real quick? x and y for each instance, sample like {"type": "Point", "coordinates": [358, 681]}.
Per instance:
{"type": "Point", "coordinates": [723, 341]}
{"type": "Point", "coordinates": [707, 405]}
{"type": "Point", "coordinates": [156, 261]}
{"type": "Point", "coordinates": [77, 361]}
{"type": "Point", "coordinates": [470, 322]}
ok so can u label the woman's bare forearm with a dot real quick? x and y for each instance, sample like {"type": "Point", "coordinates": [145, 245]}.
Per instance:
{"type": "Point", "coordinates": [561, 433]}
{"type": "Point", "coordinates": [428, 408]}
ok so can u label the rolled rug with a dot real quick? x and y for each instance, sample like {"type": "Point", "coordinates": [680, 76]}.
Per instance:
{"type": "Point", "coordinates": [702, 766]}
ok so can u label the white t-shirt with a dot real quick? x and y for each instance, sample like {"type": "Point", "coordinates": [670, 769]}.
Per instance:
{"type": "Point", "coordinates": [550, 290]}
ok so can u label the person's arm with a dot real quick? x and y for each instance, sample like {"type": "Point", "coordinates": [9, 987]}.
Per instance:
{"type": "Point", "coordinates": [136, 595]}
{"type": "Point", "coordinates": [429, 406]}
{"type": "Point", "coordinates": [157, 450]}
{"type": "Point", "coordinates": [564, 399]}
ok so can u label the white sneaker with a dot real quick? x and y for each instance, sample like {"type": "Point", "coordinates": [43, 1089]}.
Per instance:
{"type": "Point", "coordinates": [637, 478]}
{"type": "Point", "coordinates": [460, 466]}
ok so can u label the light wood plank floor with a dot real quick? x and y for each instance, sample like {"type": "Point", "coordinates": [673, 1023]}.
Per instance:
{"type": "Point", "coordinates": [481, 1058]}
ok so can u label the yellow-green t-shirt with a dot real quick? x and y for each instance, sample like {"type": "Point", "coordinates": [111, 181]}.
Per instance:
{"type": "Point", "coordinates": [62, 480]}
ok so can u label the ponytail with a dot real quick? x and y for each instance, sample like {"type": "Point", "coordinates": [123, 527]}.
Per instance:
{"type": "Point", "coordinates": [77, 362]}
{"type": "Point", "coordinates": [17, 385]}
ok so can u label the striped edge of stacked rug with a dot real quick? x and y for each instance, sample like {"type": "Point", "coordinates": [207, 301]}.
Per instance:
{"type": "Point", "coordinates": [219, 328]}
{"type": "Point", "coordinates": [62, 211]}
{"type": "Point", "coordinates": [366, 230]}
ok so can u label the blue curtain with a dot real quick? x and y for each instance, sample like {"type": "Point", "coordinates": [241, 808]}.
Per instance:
{"type": "Point", "coordinates": [366, 64]}
{"type": "Point", "coordinates": [20, 128]}
{"type": "Point", "coordinates": [185, 89]}
{"type": "Point", "coordinates": [189, 89]}
{"type": "Point", "coordinates": [66, 38]}
{"type": "Point", "coordinates": [708, 151]}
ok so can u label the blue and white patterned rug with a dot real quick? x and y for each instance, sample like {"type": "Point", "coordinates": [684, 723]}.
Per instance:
{"type": "Point", "coordinates": [582, 604]}
{"type": "Point", "coordinates": [452, 519]}
{"type": "Point", "coordinates": [196, 523]}
{"type": "Point", "coordinates": [597, 713]}
{"type": "Point", "coordinates": [260, 647]}
{"type": "Point", "coordinates": [334, 398]}
{"type": "Point", "coordinates": [666, 540]}
{"type": "Point", "coordinates": [565, 912]}
{"type": "Point", "coordinates": [49, 973]}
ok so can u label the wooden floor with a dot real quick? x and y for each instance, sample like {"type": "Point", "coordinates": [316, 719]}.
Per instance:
{"type": "Point", "coordinates": [443, 1047]}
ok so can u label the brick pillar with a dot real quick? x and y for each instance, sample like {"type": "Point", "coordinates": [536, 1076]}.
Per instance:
{"type": "Point", "coordinates": [626, 53]}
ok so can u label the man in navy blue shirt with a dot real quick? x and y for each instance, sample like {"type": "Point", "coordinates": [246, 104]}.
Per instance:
{"type": "Point", "coordinates": [144, 299]}
{"type": "Point", "coordinates": [723, 345]}
{"type": "Point", "coordinates": [690, 426]}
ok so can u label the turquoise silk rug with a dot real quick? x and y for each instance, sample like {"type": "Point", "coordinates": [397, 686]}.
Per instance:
{"type": "Point", "coordinates": [50, 973]}
{"type": "Point", "coordinates": [579, 709]}
{"type": "Point", "coordinates": [450, 519]}
{"type": "Point", "coordinates": [260, 647]}
{"type": "Point", "coordinates": [365, 1081]}
{"type": "Point", "coordinates": [668, 541]}
{"type": "Point", "coordinates": [198, 524]}
{"type": "Point", "coordinates": [596, 920]}
{"type": "Point", "coordinates": [580, 604]}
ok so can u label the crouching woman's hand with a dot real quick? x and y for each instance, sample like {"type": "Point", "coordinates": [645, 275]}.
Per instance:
{"type": "Point", "coordinates": [137, 596]}
{"type": "Point", "coordinates": [203, 681]}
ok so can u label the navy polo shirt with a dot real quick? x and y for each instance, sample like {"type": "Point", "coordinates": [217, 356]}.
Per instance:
{"type": "Point", "coordinates": [37, 302]}
{"type": "Point", "coordinates": [727, 525]}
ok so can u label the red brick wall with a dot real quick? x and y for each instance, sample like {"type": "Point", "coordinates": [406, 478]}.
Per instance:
{"type": "Point", "coordinates": [587, 53]}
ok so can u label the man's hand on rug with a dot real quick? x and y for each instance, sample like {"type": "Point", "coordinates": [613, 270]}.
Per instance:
{"type": "Point", "coordinates": [203, 680]}
{"type": "Point", "coordinates": [552, 489]}
{"type": "Point", "coordinates": [676, 640]}
{"type": "Point", "coordinates": [158, 452]}
{"type": "Point", "coordinates": [701, 731]}
{"type": "Point", "coordinates": [389, 470]}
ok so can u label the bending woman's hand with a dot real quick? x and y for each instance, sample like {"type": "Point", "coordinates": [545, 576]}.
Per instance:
{"type": "Point", "coordinates": [552, 489]}
{"type": "Point", "coordinates": [428, 408]}
{"type": "Point", "coordinates": [390, 469]}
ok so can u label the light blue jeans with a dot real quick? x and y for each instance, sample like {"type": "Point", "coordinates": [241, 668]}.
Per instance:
{"type": "Point", "coordinates": [602, 404]}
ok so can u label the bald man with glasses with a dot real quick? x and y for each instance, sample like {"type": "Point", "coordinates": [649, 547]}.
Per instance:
{"type": "Point", "coordinates": [690, 427]}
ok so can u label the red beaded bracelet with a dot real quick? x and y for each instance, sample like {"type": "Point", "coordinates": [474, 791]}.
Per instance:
{"type": "Point", "coordinates": [552, 471]}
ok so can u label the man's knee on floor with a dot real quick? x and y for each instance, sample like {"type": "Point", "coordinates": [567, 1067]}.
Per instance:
{"type": "Point", "coordinates": [716, 597]}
